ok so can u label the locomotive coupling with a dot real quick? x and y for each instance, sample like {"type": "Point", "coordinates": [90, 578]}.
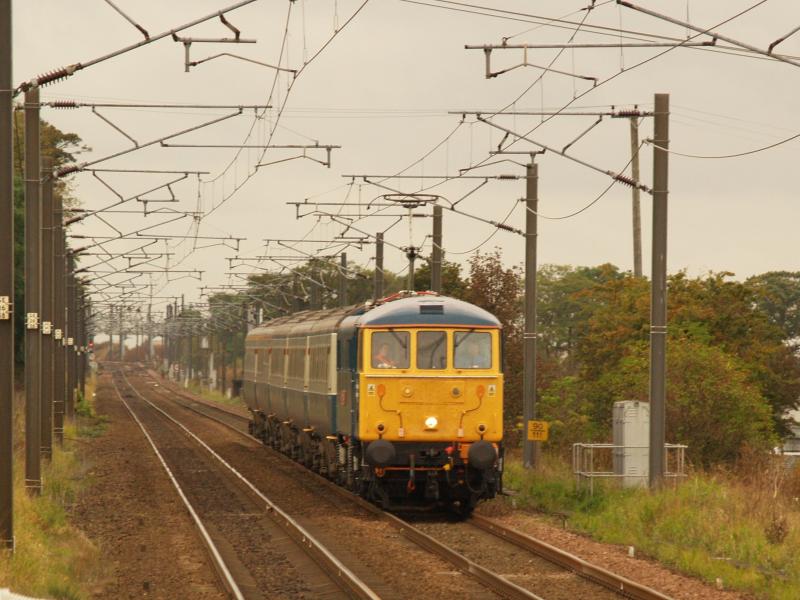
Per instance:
{"type": "Point", "coordinates": [381, 453]}
{"type": "Point", "coordinates": [482, 455]}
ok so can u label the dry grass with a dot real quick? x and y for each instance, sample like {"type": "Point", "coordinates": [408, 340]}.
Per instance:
{"type": "Point", "coordinates": [52, 559]}
{"type": "Point", "coordinates": [740, 525]}
{"type": "Point", "coordinates": [215, 396]}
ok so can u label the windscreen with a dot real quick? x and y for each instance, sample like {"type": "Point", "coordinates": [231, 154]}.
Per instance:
{"type": "Point", "coordinates": [390, 350]}
{"type": "Point", "coordinates": [431, 350]}
{"type": "Point", "coordinates": [473, 350]}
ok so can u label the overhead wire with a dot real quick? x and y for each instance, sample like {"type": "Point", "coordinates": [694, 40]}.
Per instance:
{"type": "Point", "coordinates": [288, 94]}
{"type": "Point", "coordinates": [601, 30]}
{"type": "Point", "coordinates": [581, 95]}
{"type": "Point", "coordinates": [721, 156]}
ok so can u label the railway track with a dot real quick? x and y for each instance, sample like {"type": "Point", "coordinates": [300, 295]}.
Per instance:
{"type": "Point", "coordinates": [533, 558]}
{"type": "Point", "coordinates": [234, 518]}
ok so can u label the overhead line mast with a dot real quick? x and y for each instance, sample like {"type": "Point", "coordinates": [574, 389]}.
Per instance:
{"type": "Point", "coordinates": [6, 282]}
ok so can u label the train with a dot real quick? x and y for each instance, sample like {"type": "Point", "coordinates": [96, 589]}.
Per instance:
{"type": "Point", "coordinates": [399, 400]}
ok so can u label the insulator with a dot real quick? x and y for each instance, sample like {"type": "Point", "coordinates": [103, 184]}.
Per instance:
{"type": "Point", "coordinates": [54, 76]}
{"type": "Point", "coordinates": [626, 180]}
{"type": "Point", "coordinates": [67, 170]}
{"type": "Point", "coordinates": [506, 227]}
{"type": "Point", "coordinates": [629, 113]}
{"type": "Point", "coordinates": [64, 104]}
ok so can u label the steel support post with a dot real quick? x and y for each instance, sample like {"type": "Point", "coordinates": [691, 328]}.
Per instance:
{"type": "Point", "coordinates": [378, 293]}
{"type": "Point", "coordinates": [530, 450]}
{"type": "Point", "coordinates": [69, 399]}
{"type": "Point", "coordinates": [658, 291]}
{"type": "Point", "coordinates": [190, 354]}
{"type": "Point", "coordinates": [59, 321]}
{"type": "Point", "coordinates": [245, 313]}
{"type": "Point", "coordinates": [83, 311]}
{"type": "Point", "coordinates": [223, 365]}
{"type": "Point", "coordinates": [296, 293]}
{"type": "Point", "coordinates": [343, 280]}
{"type": "Point", "coordinates": [637, 212]}
{"type": "Point", "coordinates": [316, 292]}
{"type": "Point", "coordinates": [110, 333]}
{"type": "Point", "coordinates": [121, 333]}
{"type": "Point", "coordinates": [166, 344]}
{"type": "Point", "coordinates": [411, 255]}
{"type": "Point", "coordinates": [48, 274]}
{"type": "Point", "coordinates": [33, 300]}
{"type": "Point", "coordinates": [436, 259]}
{"type": "Point", "coordinates": [6, 283]}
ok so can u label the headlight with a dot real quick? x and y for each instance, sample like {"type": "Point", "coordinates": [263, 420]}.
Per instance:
{"type": "Point", "coordinates": [431, 423]}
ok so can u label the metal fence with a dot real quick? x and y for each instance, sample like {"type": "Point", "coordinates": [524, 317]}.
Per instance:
{"type": "Point", "coordinates": [585, 467]}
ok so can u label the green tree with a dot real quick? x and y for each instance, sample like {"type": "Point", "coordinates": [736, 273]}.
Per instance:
{"type": "Point", "coordinates": [712, 404]}
{"type": "Point", "coordinates": [452, 283]}
{"type": "Point", "coordinates": [778, 296]}
{"type": "Point", "coordinates": [499, 290]}
{"type": "Point", "coordinates": [562, 298]}
{"type": "Point", "coordinates": [711, 311]}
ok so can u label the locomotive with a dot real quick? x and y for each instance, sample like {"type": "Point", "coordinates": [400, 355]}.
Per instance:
{"type": "Point", "coordinates": [399, 400]}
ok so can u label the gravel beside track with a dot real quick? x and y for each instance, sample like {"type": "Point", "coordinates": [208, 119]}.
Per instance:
{"type": "Point", "coordinates": [613, 557]}
{"type": "Point", "coordinates": [145, 552]}
{"type": "Point", "coordinates": [263, 559]}
{"type": "Point", "coordinates": [526, 570]}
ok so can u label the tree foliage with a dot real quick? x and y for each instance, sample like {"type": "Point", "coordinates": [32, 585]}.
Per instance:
{"type": "Point", "coordinates": [62, 148]}
{"type": "Point", "coordinates": [778, 296]}
{"type": "Point", "coordinates": [731, 376]}
{"type": "Point", "coordinates": [712, 404]}
{"type": "Point", "coordinates": [499, 290]}
{"type": "Point", "coordinates": [453, 283]}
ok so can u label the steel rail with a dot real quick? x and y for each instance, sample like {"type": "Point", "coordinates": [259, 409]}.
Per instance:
{"type": "Point", "coordinates": [609, 580]}
{"type": "Point", "coordinates": [599, 575]}
{"type": "Point", "coordinates": [491, 580]}
{"type": "Point", "coordinates": [220, 567]}
{"type": "Point", "coordinates": [332, 565]}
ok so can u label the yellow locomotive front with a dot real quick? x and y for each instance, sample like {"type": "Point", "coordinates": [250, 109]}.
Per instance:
{"type": "Point", "coordinates": [431, 385]}
{"type": "Point", "coordinates": [430, 410]}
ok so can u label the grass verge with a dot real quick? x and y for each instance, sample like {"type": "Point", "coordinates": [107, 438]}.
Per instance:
{"type": "Point", "coordinates": [215, 396]}
{"type": "Point", "coordinates": [744, 531]}
{"type": "Point", "coordinates": [52, 558]}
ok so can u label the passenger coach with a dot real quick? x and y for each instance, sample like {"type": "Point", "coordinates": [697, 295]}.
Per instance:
{"type": "Point", "coordinates": [400, 400]}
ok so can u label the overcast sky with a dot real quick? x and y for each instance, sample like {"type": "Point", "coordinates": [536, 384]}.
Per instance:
{"type": "Point", "coordinates": [382, 90]}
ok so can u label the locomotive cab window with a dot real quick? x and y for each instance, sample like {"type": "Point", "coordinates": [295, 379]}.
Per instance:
{"type": "Point", "coordinates": [431, 350]}
{"type": "Point", "coordinates": [390, 350]}
{"type": "Point", "coordinates": [473, 350]}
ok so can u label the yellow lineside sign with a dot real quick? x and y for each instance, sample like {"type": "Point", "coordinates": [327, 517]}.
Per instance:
{"type": "Point", "coordinates": [538, 430]}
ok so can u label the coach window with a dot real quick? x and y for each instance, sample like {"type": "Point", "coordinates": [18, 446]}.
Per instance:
{"type": "Point", "coordinates": [390, 350]}
{"type": "Point", "coordinates": [431, 350]}
{"type": "Point", "coordinates": [473, 350]}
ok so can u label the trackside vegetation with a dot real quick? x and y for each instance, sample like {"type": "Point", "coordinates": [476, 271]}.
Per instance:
{"type": "Point", "coordinates": [52, 559]}
{"type": "Point", "coordinates": [738, 528]}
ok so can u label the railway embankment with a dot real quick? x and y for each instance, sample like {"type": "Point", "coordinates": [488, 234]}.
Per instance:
{"type": "Point", "coordinates": [736, 530]}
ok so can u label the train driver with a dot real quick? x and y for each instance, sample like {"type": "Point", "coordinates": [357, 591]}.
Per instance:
{"type": "Point", "coordinates": [383, 357]}
{"type": "Point", "coordinates": [478, 355]}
